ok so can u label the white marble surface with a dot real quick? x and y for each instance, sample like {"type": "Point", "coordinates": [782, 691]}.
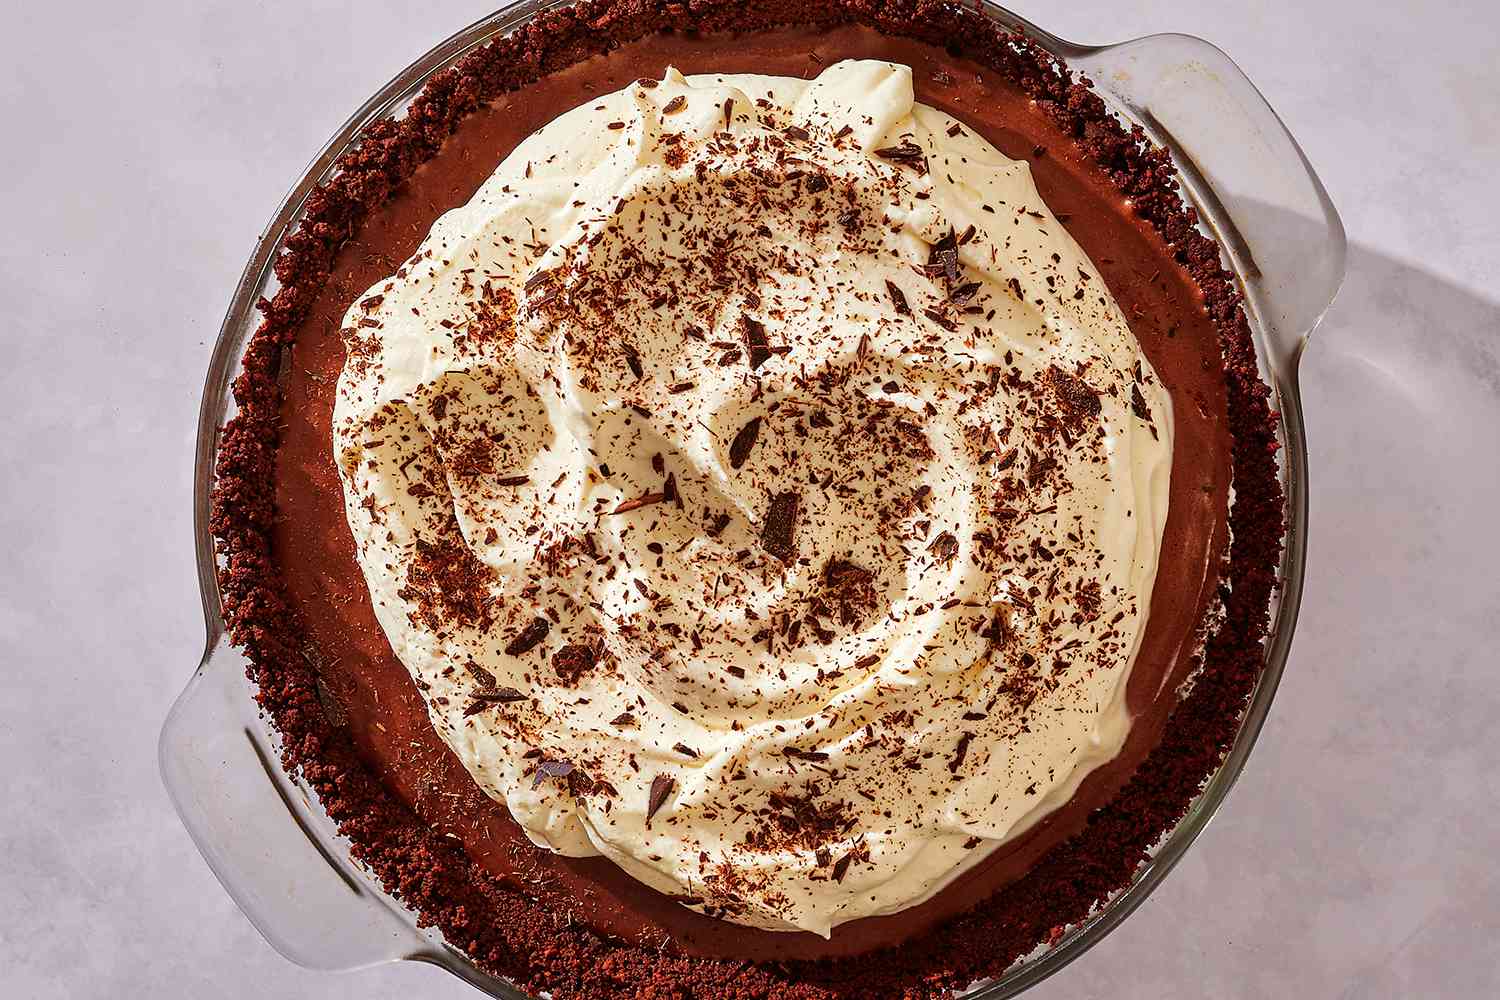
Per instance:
{"type": "Point", "coordinates": [145, 149]}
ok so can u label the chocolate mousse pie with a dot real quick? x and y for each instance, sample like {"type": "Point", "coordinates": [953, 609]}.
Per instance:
{"type": "Point", "coordinates": [735, 501]}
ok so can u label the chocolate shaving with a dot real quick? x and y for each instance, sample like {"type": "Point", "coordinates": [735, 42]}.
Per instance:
{"type": "Point", "coordinates": [1138, 404]}
{"type": "Point", "coordinates": [675, 105]}
{"type": "Point", "coordinates": [500, 695]}
{"type": "Point", "coordinates": [661, 788]}
{"type": "Point", "coordinates": [644, 500]}
{"type": "Point", "coordinates": [483, 699]}
{"type": "Point", "coordinates": [960, 752]}
{"type": "Point", "coordinates": [743, 443]}
{"type": "Point", "coordinates": [963, 293]}
{"type": "Point", "coordinates": [907, 154]}
{"type": "Point", "coordinates": [728, 111]}
{"type": "Point", "coordinates": [574, 660]}
{"type": "Point", "coordinates": [898, 297]}
{"type": "Point", "coordinates": [944, 548]}
{"type": "Point", "coordinates": [841, 867]}
{"type": "Point", "coordinates": [512, 480]}
{"type": "Point", "coordinates": [940, 319]}
{"type": "Point", "coordinates": [623, 719]}
{"type": "Point", "coordinates": [1076, 395]}
{"type": "Point", "coordinates": [633, 360]}
{"type": "Point", "coordinates": [998, 630]}
{"type": "Point", "coordinates": [547, 281]}
{"type": "Point", "coordinates": [757, 344]}
{"type": "Point", "coordinates": [780, 527]}
{"type": "Point", "coordinates": [483, 677]}
{"type": "Point", "coordinates": [685, 750]}
{"type": "Point", "coordinates": [529, 637]}
{"type": "Point", "coordinates": [552, 769]}
{"type": "Point", "coordinates": [942, 259]}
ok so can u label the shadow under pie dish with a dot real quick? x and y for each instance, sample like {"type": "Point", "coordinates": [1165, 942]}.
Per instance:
{"type": "Point", "coordinates": [848, 564]}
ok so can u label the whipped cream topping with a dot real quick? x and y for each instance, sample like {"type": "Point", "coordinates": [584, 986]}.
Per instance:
{"type": "Point", "coordinates": [763, 491]}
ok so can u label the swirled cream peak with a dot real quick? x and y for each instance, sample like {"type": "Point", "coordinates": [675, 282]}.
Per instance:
{"type": "Point", "coordinates": [763, 490]}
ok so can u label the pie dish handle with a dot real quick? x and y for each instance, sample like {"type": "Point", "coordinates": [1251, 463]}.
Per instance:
{"type": "Point", "coordinates": [273, 850]}
{"type": "Point", "coordinates": [1239, 165]}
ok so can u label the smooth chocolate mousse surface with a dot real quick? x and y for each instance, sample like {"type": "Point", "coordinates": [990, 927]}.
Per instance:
{"type": "Point", "coordinates": [369, 698]}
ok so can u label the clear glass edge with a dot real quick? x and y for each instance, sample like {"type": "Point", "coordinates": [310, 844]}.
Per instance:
{"type": "Point", "coordinates": [240, 322]}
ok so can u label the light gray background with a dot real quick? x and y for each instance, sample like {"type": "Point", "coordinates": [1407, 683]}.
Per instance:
{"type": "Point", "coordinates": [143, 150]}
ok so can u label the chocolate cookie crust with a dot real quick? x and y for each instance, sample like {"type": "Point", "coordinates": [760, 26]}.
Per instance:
{"type": "Point", "coordinates": [496, 924]}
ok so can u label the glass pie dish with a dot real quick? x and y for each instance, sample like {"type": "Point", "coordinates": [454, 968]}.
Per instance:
{"type": "Point", "coordinates": [261, 829]}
